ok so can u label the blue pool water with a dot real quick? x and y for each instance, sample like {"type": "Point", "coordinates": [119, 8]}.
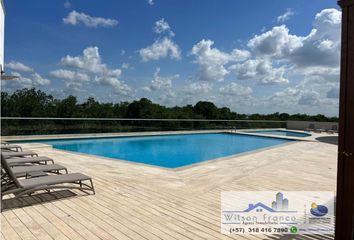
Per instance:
{"type": "Point", "coordinates": [169, 151]}
{"type": "Point", "coordinates": [281, 133]}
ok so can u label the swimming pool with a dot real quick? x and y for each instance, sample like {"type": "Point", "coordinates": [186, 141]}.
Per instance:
{"type": "Point", "coordinates": [281, 133]}
{"type": "Point", "coordinates": [170, 151]}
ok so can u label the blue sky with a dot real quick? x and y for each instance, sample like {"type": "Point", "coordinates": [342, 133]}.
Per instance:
{"type": "Point", "coordinates": [264, 57]}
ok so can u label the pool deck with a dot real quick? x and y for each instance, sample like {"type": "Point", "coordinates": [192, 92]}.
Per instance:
{"type": "Point", "coordinates": [135, 201]}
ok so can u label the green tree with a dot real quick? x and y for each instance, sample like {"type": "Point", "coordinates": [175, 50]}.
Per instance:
{"type": "Point", "coordinates": [206, 109]}
{"type": "Point", "coordinates": [68, 107]}
{"type": "Point", "coordinates": [31, 103]}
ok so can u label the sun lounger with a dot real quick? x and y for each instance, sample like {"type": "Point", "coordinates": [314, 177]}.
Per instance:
{"type": "Point", "coordinates": [11, 154]}
{"type": "Point", "coordinates": [28, 186]}
{"type": "Point", "coordinates": [311, 127]}
{"type": "Point", "coordinates": [319, 130]}
{"type": "Point", "coordinates": [18, 161]}
{"type": "Point", "coordinates": [11, 147]}
{"type": "Point", "coordinates": [24, 171]}
{"type": "Point", "coordinates": [29, 171]}
{"type": "Point", "coordinates": [333, 130]}
{"type": "Point", "coordinates": [29, 162]}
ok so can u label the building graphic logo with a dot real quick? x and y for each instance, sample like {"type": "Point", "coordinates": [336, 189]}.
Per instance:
{"type": "Point", "coordinates": [280, 204]}
{"type": "Point", "coordinates": [318, 210]}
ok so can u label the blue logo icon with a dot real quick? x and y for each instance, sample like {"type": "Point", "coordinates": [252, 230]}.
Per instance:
{"type": "Point", "coordinates": [318, 210]}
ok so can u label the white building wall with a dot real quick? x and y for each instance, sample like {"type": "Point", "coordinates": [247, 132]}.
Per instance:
{"type": "Point", "coordinates": [302, 125]}
{"type": "Point", "coordinates": [2, 32]}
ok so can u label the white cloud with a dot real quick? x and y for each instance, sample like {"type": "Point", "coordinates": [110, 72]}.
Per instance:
{"type": "Point", "coordinates": [28, 81]}
{"type": "Point", "coordinates": [333, 93]}
{"type": "Point", "coordinates": [286, 98]}
{"type": "Point", "coordinates": [111, 78]}
{"type": "Point", "coordinates": [119, 87]}
{"type": "Point", "coordinates": [150, 2]}
{"type": "Point", "coordinates": [311, 98]}
{"type": "Point", "coordinates": [20, 82]}
{"type": "Point", "coordinates": [73, 79]}
{"type": "Point", "coordinates": [308, 96]}
{"type": "Point", "coordinates": [327, 23]}
{"type": "Point", "coordinates": [18, 66]}
{"type": "Point", "coordinates": [286, 16]}
{"type": "Point", "coordinates": [67, 4]}
{"type": "Point", "coordinates": [212, 61]}
{"type": "Point", "coordinates": [75, 18]}
{"type": "Point", "coordinates": [234, 89]}
{"type": "Point", "coordinates": [162, 27]}
{"type": "Point", "coordinates": [193, 92]}
{"type": "Point", "coordinates": [38, 79]}
{"type": "Point", "coordinates": [297, 99]}
{"type": "Point", "coordinates": [319, 74]}
{"type": "Point", "coordinates": [276, 42]}
{"type": "Point", "coordinates": [27, 77]}
{"type": "Point", "coordinates": [276, 54]}
{"type": "Point", "coordinates": [161, 48]}
{"type": "Point", "coordinates": [240, 55]}
{"type": "Point", "coordinates": [319, 48]}
{"type": "Point", "coordinates": [90, 63]}
{"type": "Point", "coordinates": [161, 83]}
{"type": "Point", "coordinates": [322, 46]}
{"type": "Point", "coordinates": [125, 65]}
{"type": "Point", "coordinates": [69, 75]}
{"type": "Point", "coordinates": [261, 70]}
{"type": "Point", "coordinates": [161, 88]}
{"type": "Point", "coordinates": [197, 88]}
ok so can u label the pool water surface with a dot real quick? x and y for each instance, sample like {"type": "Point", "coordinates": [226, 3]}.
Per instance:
{"type": "Point", "coordinates": [169, 151]}
{"type": "Point", "coordinates": [281, 133]}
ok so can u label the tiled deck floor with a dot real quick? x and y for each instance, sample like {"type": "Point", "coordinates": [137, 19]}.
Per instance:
{"type": "Point", "coordinates": [135, 202]}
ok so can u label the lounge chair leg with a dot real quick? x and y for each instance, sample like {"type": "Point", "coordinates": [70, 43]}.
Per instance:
{"type": "Point", "coordinates": [93, 189]}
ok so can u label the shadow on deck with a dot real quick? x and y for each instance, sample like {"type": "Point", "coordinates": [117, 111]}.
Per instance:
{"type": "Point", "coordinates": [11, 203]}
{"type": "Point", "coordinates": [328, 139]}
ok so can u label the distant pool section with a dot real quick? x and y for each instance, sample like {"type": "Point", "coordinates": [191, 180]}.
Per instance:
{"type": "Point", "coordinates": [169, 151]}
{"type": "Point", "coordinates": [281, 133]}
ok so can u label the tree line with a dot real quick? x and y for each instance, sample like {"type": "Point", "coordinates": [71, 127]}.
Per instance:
{"type": "Point", "coordinates": [36, 103]}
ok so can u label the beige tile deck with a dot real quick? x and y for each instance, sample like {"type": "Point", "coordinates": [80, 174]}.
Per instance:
{"type": "Point", "coordinates": [136, 201]}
